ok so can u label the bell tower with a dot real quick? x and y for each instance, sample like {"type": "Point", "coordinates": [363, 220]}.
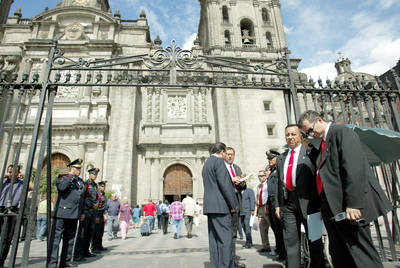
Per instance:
{"type": "Point", "coordinates": [241, 25]}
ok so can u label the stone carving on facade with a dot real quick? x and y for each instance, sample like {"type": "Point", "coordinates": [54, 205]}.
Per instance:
{"type": "Point", "coordinates": [157, 105]}
{"type": "Point", "coordinates": [149, 104]}
{"type": "Point", "coordinates": [67, 93]}
{"type": "Point", "coordinates": [203, 105]}
{"type": "Point", "coordinates": [196, 104]}
{"type": "Point", "coordinates": [11, 62]}
{"type": "Point", "coordinates": [177, 107]}
{"type": "Point", "coordinates": [74, 32]}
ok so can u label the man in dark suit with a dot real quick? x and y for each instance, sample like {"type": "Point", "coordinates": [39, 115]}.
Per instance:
{"type": "Point", "coordinates": [69, 207]}
{"type": "Point", "coordinates": [219, 202]}
{"type": "Point", "coordinates": [247, 209]}
{"type": "Point", "coordinates": [297, 198]}
{"type": "Point", "coordinates": [235, 172]}
{"type": "Point", "coordinates": [346, 184]}
{"type": "Point", "coordinates": [272, 203]}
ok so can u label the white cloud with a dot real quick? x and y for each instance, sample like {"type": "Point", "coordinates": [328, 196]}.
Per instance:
{"type": "Point", "coordinates": [387, 3]}
{"type": "Point", "coordinates": [288, 30]}
{"type": "Point", "coordinates": [324, 70]}
{"type": "Point", "coordinates": [188, 43]}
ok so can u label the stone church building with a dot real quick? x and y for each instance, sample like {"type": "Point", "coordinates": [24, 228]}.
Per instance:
{"type": "Point", "coordinates": [151, 142]}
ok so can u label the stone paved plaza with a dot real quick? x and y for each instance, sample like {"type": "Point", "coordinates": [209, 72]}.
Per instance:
{"type": "Point", "coordinates": [160, 250]}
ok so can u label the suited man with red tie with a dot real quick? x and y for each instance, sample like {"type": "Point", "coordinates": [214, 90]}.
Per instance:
{"type": "Point", "coordinates": [297, 197]}
{"type": "Point", "coordinates": [235, 172]}
{"type": "Point", "coordinates": [346, 184]}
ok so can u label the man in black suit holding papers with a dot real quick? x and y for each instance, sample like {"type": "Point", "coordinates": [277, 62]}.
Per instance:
{"type": "Point", "coordinates": [347, 188]}
{"type": "Point", "coordinates": [297, 198]}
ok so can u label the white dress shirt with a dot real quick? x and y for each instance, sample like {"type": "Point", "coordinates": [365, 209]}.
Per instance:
{"type": "Point", "coordinates": [285, 166]}
{"type": "Point", "coordinates": [229, 169]}
{"type": "Point", "coordinates": [264, 196]}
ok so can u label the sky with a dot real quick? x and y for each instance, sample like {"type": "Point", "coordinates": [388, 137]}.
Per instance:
{"type": "Point", "coordinates": [367, 32]}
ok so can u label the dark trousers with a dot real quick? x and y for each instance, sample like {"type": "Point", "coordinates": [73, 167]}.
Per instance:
{"type": "Point", "coordinates": [8, 223]}
{"type": "Point", "coordinates": [159, 222]}
{"type": "Point", "coordinates": [97, 242]}
{"type": "Point", "coordinates": [235, 225]}
{"type": "Point", "coordinates": [188, 224]}
{"type": "Point", "coordinates": [220, 233]}
{"type": "Point", "coordinates": [292, 218]}
{"type": "Point", "coordinates": [164, 223]}
{"type": "Point", "coordinates": [85, 234]}
{"type": "Point", "coordinates": [245, 222]}
{"type": "Point", "coordinates": [276, 226]}
{"type": "Point", "coordinates": [65, 229]}
{"type": "Point", "coordinates": [349, 245]}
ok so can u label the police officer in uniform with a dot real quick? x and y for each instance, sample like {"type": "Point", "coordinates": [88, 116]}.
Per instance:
{"type": "Point", "coordinates": [97, 243]}
{"type": "Point", "coordinates": [69, 207]}
{"type": "Point", "coordinates": [276, 225]}
{"type": "Point", "coordinates": [87, 226]}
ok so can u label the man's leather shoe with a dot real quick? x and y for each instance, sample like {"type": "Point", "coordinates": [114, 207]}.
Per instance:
{"type": "Point", "coordinates": [68, 264]}
{"type": "Point", "coordinates": [102, 249]}
{"type": "Point", "coordinates": [247, 246]}
{"type": "Point", "coordinates": [240, 265]}
{"type": "Point", "coordinates": [89, 255]}
{"type": "Point", "coordinates": [79, 258]}
{"type": "Point", "coordinates": [264, 250]}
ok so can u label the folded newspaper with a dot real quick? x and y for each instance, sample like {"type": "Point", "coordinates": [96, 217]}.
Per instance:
{"type": "Point", "coordinates": [246, 177]}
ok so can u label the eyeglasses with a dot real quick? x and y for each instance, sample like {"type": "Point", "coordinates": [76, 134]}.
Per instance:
{"type": "Point", "coordinates": [261, 176]}
{"type": "Point", "coordinates": [311, 129]}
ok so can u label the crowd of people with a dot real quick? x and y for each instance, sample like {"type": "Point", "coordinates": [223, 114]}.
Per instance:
{"type": "Point", "coordinates": [323, 172]}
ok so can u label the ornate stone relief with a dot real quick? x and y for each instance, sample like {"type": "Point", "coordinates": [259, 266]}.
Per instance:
{"type": "Point", "coordinates": [203, 105]}
{"type": "Point", "coordinates": [149, 104]}
{"type": "Point", "coordinates": [74, 31]}
{"type": "Point", "coordinates": [157, 105]}
{"type": "Point", "coordinates": [177, 107]}
{"type": "Point", "coordinates": [11, 63]}
{"type": "Point", "coordinates": [67, 93]}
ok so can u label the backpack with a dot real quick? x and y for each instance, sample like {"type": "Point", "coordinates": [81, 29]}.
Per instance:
{"type": "Point", "coordinates": [164, 210]}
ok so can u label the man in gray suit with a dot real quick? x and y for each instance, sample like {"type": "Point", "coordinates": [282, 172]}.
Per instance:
{"type": "Point", "coordinates": [248, 205]}
{"type": "Point", "coordinates": [219, 202]}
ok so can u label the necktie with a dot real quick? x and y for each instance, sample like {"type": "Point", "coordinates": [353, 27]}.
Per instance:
{"type": "Point", "coordinates": [260, 198]}
{"type": "Point", "coordinates": [289, 182]}
{"type": "Point", "coordinates": [319, 183]}
{"type": "Point", "coordinates": [233, 172]}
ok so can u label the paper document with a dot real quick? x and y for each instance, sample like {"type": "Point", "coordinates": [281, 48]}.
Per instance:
{"type": "Point", "coordinates": [314, 223]}
{"type": "Point", "coordinates": [248, 176]}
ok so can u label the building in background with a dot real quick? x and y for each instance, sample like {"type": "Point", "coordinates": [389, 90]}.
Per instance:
{"type": "Point", "coordinates": [151, 142]}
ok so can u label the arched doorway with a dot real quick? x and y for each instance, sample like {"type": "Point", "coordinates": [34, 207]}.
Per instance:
{"type": "Point", "coordinates": [177, 181]}
{"type": "Point", "coordinates": [59, 162]}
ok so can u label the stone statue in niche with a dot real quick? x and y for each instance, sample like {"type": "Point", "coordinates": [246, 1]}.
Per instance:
{"type": "Point", "coordinates": [176, 107]}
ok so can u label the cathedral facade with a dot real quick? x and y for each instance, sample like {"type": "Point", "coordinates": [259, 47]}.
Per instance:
{"type": "Point", "coordinates": [151, 142]}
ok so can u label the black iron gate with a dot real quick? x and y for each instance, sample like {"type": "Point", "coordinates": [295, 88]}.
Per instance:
{"type": "Point", "coordinates": [373, 104]}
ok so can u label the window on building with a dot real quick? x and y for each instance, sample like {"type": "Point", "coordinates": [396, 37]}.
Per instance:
{"type": "Point", "coordinates": [270, 130]}
{"type": "Point", "coordinates": [227, 35]}
{"type": "Point", "coordinates": [264, 14]}
{"type": "Point", "coordinates": [269, 39]}
{"type": "Point", "coordinates": [225, 15]}
{"type": "Point", "coordinates": [267, 106]}
{"type": "Point", "coordinates": [247, 30]}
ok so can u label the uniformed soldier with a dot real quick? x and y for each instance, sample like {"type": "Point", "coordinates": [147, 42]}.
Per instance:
{"type": "Point", "coordinates": [276, 225]}
{"type": "Point", "coordinates": [87, 225]}
{"type": "Point", "coordinates": [97, 243]}
{"type": "Point", "coordinates": [69, 207]}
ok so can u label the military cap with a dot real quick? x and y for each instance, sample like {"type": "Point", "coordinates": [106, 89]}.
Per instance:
{"type": "Point", "coordinates": [271, 154]}
{"type": "Point", "coordinates": [94, 171]}
{"type": "Point", "coordinates": [77, 163]}
{"type": "Point", "coordinates": [102, 183]}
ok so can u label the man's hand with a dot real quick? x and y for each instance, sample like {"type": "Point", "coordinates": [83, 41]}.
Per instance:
{"type": "Point", "coordinates": [278, 213]}
{"type": "Point", "coordinates": [95, 207]}
{"type": "Point", "coordinates": [82, 217]}
{"type": "Point", "coordinates": [252, 212]}
{"type": "Point", "coordinates": [236, 180]}
{"type": "Point", "coordinates": [105, 218]}
{"type": "Point", "coordinates": [353, 214]}
{"type": "Point", "coordinates": [97, 220]}
{"type": "Point", "coordinates": [234, 210]}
